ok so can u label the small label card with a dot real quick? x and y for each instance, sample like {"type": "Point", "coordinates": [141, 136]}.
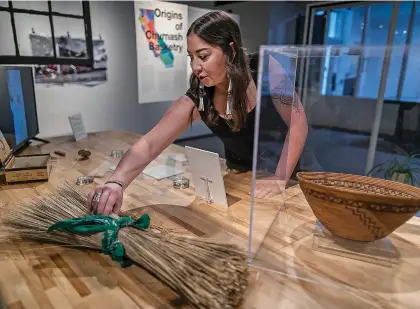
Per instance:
{"type": "Point", "coordinates": [78, 127]}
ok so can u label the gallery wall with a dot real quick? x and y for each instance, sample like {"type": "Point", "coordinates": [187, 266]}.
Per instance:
{"type": "Point", "coordinates": [113, 104]}
{"type": "Point", "coordinates": [254, 19]}
{"type": "Point", "coordinates": [107, 106]}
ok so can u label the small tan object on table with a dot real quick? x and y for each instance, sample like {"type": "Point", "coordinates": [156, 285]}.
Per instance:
{"type": "Point", "coordinates": [23, 168]}
{"type": "Point", "coordinates": [69, 278]}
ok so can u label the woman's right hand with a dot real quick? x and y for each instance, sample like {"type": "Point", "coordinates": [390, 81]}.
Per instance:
{"type": "Point", "coordinates": [106, 199]}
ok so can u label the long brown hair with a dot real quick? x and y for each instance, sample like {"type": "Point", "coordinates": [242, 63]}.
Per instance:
{"type": "Point", "coordinates": [218, 28]}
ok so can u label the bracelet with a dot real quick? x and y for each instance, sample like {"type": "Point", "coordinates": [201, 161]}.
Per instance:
{"type": "Point", "coordinates": [120, 183]}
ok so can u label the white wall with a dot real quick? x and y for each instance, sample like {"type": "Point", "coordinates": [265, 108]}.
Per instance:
{"type": "Point", "coordinates": [108, 106]}
{"type": "Point", "coordinates": [112, 105]}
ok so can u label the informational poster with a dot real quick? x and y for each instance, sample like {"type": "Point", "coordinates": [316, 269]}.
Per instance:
{"type": "Point", "coordinates": [161, 29]}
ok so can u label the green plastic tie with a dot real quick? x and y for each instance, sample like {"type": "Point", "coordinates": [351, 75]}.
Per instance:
{"type": "Point", "coordinates": [110, 226]}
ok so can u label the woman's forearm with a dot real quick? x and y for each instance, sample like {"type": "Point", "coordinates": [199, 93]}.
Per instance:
{"type": "Point", "coordinates": [133, 162]}
{"type": "Point", "coordinates": [293, 146]}
{"type": "Point", "coordinates": [145, 150]}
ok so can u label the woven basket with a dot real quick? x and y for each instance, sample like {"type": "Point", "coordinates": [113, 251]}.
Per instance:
{"type": "Point", "coordinates": [359, 207]}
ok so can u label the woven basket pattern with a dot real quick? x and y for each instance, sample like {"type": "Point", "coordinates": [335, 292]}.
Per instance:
{"type": "Point", "coordinates": [362, 187]}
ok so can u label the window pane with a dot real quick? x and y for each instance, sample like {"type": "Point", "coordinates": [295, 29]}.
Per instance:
{"type": "Point", "coordinates": [379, 17]}
{"type": "Point", "coordinates": [411, 85]}
{"type": "Point", "coordinates": [67, 7]}
{"type": "Point", "coordinates": [315, 63]}
{"type": "Point", "coordinates": [34, 35]}
{"type": "Point", "coordinates": [7, 46]}
{"type": "Point", "coordinates": [31, 5]}
{"type": "Point", "coordinates": [345, 27]}
{"type": "Point", "coordinates": [4, 3]}
{"type": "Point", "coordinates": [400, 38]}
{"type": "Point", "coordinates": [70, 37]}
{"type": "Point", "coordinates": [318, 27]}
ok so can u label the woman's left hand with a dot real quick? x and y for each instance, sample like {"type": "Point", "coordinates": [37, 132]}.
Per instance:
{"type": "Point", "coordinates": [269, 186]}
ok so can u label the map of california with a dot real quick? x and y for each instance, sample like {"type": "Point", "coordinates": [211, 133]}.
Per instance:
{"type": "Point", "coordinates": [156, 44]}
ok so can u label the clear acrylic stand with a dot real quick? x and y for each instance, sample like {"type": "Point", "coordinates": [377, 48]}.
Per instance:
{"type": "Point", "coordinates": [379, 252]}
{"type": "Point", "coordinates": [207, 198]}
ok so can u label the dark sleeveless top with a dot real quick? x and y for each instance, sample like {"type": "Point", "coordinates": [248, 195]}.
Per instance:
{"type": "Point", "coordinates": [239, 145]}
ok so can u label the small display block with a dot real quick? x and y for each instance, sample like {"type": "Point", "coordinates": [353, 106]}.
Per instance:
{"type": "Point", "coordinates": [30, 168]}
{"type": "Point", "coordinates": [23, 168]}
{"type": "Point", "coordinates": [379, 252]}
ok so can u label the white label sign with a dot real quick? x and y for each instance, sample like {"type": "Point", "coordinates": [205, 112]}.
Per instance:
{"type": "Point", "coordinates": [78, 127]}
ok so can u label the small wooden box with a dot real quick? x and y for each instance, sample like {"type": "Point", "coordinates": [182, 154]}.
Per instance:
{"type": "Point", "coordinates": [23, 168]}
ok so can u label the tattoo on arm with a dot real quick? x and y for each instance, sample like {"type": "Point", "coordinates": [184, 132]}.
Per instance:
{"type": "Point", "coordinates": [284, 93]}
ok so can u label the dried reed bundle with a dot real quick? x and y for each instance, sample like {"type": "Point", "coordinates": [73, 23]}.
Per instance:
{"type": "Point", "coordinates": [207, 274]}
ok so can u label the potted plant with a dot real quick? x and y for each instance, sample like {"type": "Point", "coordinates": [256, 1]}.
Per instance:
{"type": "Point", "coordinates": [403, 170]}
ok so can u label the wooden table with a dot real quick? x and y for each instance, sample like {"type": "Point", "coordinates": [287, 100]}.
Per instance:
{"type": "Point", "coordinates": [282, 234]}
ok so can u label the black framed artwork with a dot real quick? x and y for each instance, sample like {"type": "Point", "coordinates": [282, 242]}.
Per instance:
{"type": "Point", "coordinates": [46, 32]}
{"type": "Point", "coordinates": [220, 3]}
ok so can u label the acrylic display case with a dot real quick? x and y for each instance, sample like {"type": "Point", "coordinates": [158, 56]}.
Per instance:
{"type": "Point", "coordinates": [338, 109]}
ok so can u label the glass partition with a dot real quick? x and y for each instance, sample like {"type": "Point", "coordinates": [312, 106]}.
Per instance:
{"type": "Point", "coordinates": [276, 101]}
{"type": "Point", "coordinates": [302, 103]}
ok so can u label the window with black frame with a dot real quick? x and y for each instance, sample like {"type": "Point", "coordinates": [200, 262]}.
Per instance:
{"type": "Point", "coordinates": [45, 33]}
{"type": "Point", "coordinates": [364, 24]}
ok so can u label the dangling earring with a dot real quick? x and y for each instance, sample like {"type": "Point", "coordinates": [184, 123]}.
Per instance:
{"type": "Point", "coordinates": [229, 100]}
{"type": "Point", "coordinates": [201, 95]}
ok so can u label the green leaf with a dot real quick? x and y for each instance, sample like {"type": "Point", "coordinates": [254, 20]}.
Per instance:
{"type": "Point", "coordinates": [417, 180]}
{"type": "Point", "coordinates": [376, 167]}
{"type": "Point", "coordinates": [409, 178]}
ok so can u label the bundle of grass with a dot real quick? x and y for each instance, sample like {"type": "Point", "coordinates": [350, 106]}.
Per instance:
{"type": "Point", "coordinates": [206, 274]}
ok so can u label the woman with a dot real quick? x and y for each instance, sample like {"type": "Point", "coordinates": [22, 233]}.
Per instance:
{"type": "Point", "coordinates": [222, 93]}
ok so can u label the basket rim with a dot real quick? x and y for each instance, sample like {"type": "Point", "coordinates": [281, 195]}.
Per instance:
{"type": "Point", "coordinates": [387, 199]}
